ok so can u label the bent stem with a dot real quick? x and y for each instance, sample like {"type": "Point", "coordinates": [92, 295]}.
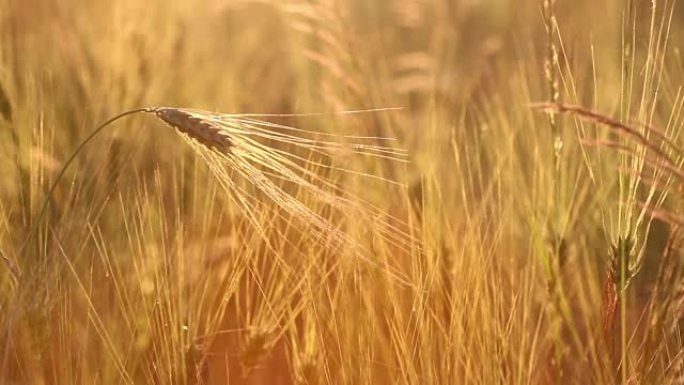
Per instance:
{"type": "Point", "coordinates": [48, 198]}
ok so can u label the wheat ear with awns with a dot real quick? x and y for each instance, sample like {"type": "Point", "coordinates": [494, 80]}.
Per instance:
{"type": "Point", "coordinates": [239, 147]}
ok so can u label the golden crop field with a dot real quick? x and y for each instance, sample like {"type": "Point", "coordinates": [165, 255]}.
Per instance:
{"type": "Point", "coordinates": [341, 192]}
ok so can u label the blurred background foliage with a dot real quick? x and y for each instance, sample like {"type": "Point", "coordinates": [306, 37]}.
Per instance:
{"type": "Point", "coordinates": [144, 272]}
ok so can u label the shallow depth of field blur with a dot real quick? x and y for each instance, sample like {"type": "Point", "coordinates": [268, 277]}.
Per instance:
{"type": "Point", "coordinates": [533, 244]}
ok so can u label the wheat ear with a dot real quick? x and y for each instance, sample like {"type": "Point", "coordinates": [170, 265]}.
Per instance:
{"type": "Point", "coordinates": [228, 144]}
{"type": "Point", "coordinates": [205, 132]}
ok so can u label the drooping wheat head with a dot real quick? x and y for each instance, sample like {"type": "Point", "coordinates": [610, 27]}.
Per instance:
{"type": "Point", "coordinates": [242, 152]}
{"type": "Point", "coordinates": [200, 130]}
{"type": "Point", "coordinates": [235, 148]}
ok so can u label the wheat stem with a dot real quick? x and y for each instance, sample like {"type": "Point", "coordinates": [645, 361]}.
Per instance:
{"type": "Point", "coordinates": [48, 198]}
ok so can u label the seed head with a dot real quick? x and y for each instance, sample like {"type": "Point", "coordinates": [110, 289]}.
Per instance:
{"type": "Point", "coordinates": [204, 132]}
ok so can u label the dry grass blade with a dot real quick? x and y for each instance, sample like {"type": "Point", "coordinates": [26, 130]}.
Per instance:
{"type": "Point", "coordinates": [657, 163]}
{"type": "Point", "coordinates": [595, 117]}
{"type": "Point", "coordinates": [663, 215]}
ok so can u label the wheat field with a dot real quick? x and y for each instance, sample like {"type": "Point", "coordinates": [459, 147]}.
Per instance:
{"type": "Point", "coordinates": [341, 192]}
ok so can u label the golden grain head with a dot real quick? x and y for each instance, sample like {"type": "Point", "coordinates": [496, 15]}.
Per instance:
{"type": "Point", "coordinates": [246, 155]}
{"type": "Point", "coordinates": [194, 126]}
